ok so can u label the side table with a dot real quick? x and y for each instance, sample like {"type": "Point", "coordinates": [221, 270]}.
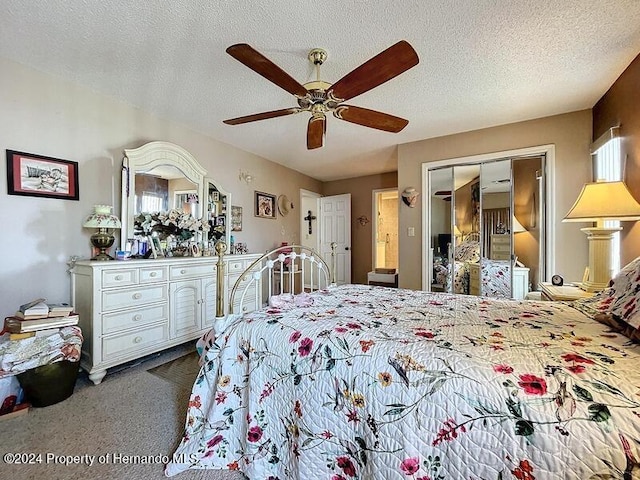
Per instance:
{"type": "Point", "coordinates": [564, 292]}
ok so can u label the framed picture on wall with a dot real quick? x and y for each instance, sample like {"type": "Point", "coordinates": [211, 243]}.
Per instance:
{"type": "Point", "coordinates": [39, 176]}
{"type": "Point", "coordinates": [265, 205]}
{"type": "Point", "coordinates": [236, 218]}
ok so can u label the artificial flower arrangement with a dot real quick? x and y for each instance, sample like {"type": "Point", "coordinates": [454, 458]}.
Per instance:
{"type": "Point", "coordinates": [183, 226]}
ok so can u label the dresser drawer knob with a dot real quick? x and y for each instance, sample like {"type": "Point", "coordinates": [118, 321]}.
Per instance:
{"type": "Point", "coordinates": [137, 317]}
{"type": "Point", "coordinates": [137, 340]}
{"type": "Point", "coordinates": [153, 274]}
{"type": "Point", "coordinates": [183, 271]}
{"type": "Point", "coordinates": [118, 277]}
{"type": "Point", "coordinates": [137, 296]}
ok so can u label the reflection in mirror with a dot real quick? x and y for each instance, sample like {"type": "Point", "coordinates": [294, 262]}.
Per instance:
{"type": "Point", "coordinates": [165, 188]}
{"type": "Point", "coordinates": [529, 230]}
{"type": "Point", "coordinates": [497, 225]}
{"type": "Point", "coordinates": [495, 265]}
{"type": "Point", "coordinates": [466, 216]}
{"type": "Point", "coordinates": [217, 208]}
{"type": "Point", "coordinates": [440, 197]}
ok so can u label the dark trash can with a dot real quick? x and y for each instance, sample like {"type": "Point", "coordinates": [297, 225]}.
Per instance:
{"type": "Point", "coordinates": [49, 384]}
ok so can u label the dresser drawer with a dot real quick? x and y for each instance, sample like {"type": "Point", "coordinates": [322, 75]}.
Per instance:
{"type": "Point", "coordinates": [153, 274]}
{"type": "Point", "coordinates": [187, 271]}
{"type": "Point", "coordinates": [120, 277]}
{"type": "Point", "coordinates": [115, 299]}
{"type": "Point", "coordinates": [236, 266]}
{"type": "Point", "coordinates": [114, 322]}
{"type": "Point", "coordinates": [122, 345]}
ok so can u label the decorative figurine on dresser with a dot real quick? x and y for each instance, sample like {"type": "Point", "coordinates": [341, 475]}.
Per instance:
{"type": "Point", "coordinates": [129, 309]}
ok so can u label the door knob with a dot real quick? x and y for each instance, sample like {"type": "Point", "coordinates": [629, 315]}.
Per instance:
{"type": "Point", "coordinates": [346, 248]}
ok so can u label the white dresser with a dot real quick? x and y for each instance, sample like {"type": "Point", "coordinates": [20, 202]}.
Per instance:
{"type": "Point", "coordinates": [129, 309]}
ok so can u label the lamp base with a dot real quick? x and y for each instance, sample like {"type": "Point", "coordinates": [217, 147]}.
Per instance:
{"type": "Point", "coordinates": [599, 257]}
{"type": "Point", "coordinates": [102, 241]}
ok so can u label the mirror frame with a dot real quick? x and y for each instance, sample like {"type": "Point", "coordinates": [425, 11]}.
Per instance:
{"type": "Point", "coordinates": [146, 158]}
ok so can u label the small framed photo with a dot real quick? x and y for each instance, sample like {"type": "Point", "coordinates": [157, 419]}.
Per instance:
{"type": "Point", "coordinates": [156, 247]}
{"type": "Point", "coordinates": [265, 205]}
{"type": "Point", "coordinates": [215, 196]}
{"type": "Point", "coordinates": [220, 221]}
{"type": "Point", "coordinates": [236, 218]}
{"type": "Point", "coordinates": [39, 176]}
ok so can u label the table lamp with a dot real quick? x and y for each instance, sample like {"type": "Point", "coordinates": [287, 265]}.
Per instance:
{"type": "Point", "coordinates": [597, 202]}
{"type": "Point", "coordinates": [104, 221]}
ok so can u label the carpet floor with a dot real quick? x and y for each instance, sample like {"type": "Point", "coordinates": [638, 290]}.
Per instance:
{"type": "Point", "coordinates": [138, 410]}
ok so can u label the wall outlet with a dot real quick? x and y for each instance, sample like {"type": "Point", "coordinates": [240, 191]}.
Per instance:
{"type": "Point", "coordinates": [411, 232]}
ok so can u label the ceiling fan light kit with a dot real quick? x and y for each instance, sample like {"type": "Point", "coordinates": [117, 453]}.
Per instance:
{"type": "Point", "coordinates": [319, 97]}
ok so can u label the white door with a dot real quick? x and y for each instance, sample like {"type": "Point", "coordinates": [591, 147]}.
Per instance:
{"type": "Point", "coordinates": [335, 226]}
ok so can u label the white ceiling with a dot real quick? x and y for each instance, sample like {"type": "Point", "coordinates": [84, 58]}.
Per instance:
{"type": "Point", "coordinates": [482, 63]}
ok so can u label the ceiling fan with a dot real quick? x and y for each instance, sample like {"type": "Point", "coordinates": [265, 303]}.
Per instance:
{"type": "Point", "coordinates": [320, 97]}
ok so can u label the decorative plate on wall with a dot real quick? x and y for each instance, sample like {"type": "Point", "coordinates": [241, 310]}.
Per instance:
{"type": "Point", "coordinates": [284, 205]}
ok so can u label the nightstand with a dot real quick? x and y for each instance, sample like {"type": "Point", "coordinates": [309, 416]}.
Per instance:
{"type": "Point", "coordinates": [564, 292]}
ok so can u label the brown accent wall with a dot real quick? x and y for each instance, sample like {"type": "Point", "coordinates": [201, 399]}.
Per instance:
{"type": "Point", "coordinates": [621, 106]}
{"type": "Point", "coordinates": [361, 189]}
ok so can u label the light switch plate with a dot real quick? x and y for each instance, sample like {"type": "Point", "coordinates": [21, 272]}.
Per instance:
{"type": "Point", "coordinates": [411, 232]}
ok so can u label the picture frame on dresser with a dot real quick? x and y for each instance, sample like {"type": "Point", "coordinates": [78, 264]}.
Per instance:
{"type": "Point", "coordinates": [156, 246]}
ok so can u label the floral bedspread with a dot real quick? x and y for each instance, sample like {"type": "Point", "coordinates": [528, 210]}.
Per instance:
{"type": "Point", "coordinates": [380, 383]}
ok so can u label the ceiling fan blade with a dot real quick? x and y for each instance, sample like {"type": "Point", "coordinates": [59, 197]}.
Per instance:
{"type": "Point", "coordinates": [315, 132]}
{"type": "Point", "coordinates": [383, 67]}
{"type": "Point", "coordinates": [260, 64]}
{"type": "Point", "coordinates": [370, 118]}
{"type": "Point", "coordinates": [261, 116]}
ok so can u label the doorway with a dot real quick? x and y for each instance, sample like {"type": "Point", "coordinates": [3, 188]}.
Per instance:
{"type": "Point", "coordinates": [385, 228]}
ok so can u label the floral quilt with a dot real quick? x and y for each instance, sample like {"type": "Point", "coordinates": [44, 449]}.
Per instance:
{"type": "Point", "coordinates": [379, 383]}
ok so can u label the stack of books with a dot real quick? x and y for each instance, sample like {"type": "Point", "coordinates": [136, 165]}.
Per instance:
{"type": "Point", "coordinates": [37, 318]}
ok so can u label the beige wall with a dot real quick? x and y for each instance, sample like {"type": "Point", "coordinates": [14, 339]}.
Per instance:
{"type": "Point", "coordinates": [44, 115]}
{"type": "Point", "coordinates": [571, 135]}
{"type": "Point", "coordinates": [621, 106]}
{"type": "Point", "coordinates": [361, 204]}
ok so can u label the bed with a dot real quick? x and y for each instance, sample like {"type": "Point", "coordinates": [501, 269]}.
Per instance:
{"type": "Point", "coordinates": [364, 382]}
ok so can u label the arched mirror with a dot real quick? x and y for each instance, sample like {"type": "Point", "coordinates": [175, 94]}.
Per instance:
{"type": "Point", "coordinates": [161, 179]}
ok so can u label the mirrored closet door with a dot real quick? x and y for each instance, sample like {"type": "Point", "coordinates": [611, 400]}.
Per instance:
{"type": "Point", "coordinates": [486, 227]}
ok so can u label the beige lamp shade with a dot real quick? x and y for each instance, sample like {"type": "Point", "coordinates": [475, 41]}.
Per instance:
{"type": "Point", "coordinates": [517, 226]}
{"type": "Point", "coordinates": [456, 231]}
{"type": "Point", "coordinates": [604, 201]}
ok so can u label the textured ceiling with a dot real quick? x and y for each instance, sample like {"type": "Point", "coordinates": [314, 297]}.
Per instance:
{"type": "Point", "coordinates": [482, 63]}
